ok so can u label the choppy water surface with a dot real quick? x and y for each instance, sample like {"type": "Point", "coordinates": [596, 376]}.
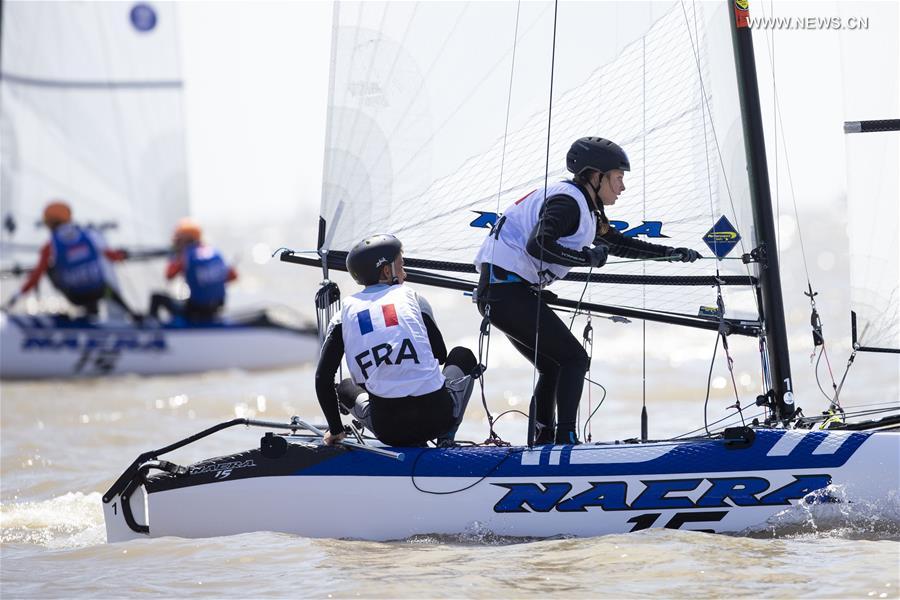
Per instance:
{"type": "Point", "coordinates": [64, 442]}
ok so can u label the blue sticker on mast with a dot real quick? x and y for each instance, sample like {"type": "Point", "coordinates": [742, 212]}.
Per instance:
{"type": "Point", "coordinates": [143, 17]}
{"type": "Point", "coordinates": [722, 238]}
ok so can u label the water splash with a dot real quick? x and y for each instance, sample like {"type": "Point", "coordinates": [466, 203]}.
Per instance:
{"type": "Point", "coordinates": [72, 520]}
{"type": "Point", "coordinates": [832, 512]}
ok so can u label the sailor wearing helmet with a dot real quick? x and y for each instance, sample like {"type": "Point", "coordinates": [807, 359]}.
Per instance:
{"type": "Point", "coordinates": [204, 270]}
{"type": "Point", "coordinates": [76, 260]}
{"type": "Point", "coordinates": [394, 350]}
{"type": "Point", "coordinates": [537, 241]}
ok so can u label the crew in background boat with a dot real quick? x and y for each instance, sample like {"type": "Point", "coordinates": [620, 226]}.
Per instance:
{"type": "Point", "coordinates": [206, 274]}
{"type": "Point", "coordinates": [394, 349]}
{"type": "Point", "coordinates": [76, 260]}
{"type": "Point", "coordinates": [538, 241]}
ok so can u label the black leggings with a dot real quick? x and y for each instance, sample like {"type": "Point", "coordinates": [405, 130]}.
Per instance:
{"type": "Point", "coordinates": [191, 312]}
{"type": "Point", "coordinates": [90, 301]}
{"type": "Point", "coordinates": [561, 359]}
{"type": "Point", "coordinates": [414, 420]}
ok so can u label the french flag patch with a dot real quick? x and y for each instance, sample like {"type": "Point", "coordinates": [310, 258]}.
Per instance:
{"type": "Point", "coordinates": [367, 323]}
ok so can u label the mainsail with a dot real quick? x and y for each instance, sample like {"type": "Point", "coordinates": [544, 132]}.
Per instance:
{"type": "Point", "coordinates": [91, 98]}
{"type": "Point", "coordinates": [441, 115]}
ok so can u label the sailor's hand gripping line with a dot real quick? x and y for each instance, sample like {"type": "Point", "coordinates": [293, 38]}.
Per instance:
{"type": "Point", "coordinates": [342, 441]}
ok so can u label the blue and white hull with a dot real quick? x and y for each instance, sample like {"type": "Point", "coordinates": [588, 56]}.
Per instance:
{"type": "Point", "coordinates": [56, 346]}
{"type": "Point", "coordinates": [714, 485]}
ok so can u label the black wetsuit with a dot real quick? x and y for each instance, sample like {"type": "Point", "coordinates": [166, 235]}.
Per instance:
{"type": "Point", "coordinates": [407, 421]}
{"type": "Point", "coordinates": [195, 313]}
{"type": "Point", "coordinates": [561, 359]}
{"type": "Point", "coordinates": [90, 301]}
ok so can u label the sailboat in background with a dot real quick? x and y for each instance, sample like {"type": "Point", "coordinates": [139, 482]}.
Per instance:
{"type": "Point", "coordinates": [92, 98]}
{"type": "Point", "coordinates": [441, 115]}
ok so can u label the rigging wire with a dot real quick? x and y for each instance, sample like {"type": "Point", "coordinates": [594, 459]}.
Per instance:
{"type": "Point", "coordinates": [716, 422]}
{"type": "Point", "coordinates": [712, 128]}
{"type": "Point", "coordinates": [858, 413]}
{"type": "Point", "coordinates": [588, 344]}
{"type": "Point", "coordinates": [816, 323]}
{"type": "Point", "coordinates": [484, 345]}
{"type": "Point", "coordinates": [587, 422]}
{"type": "Point", "coordinates": [708, 385]}
{"type": "Point", "coordinates": [412, 475]}
{"type": "Point", "coordinates": [537, 325]}
{"type": "Point", "coordinates": [644, 425]}
{"type": "Point", "coordinates": [485, 330]}
{"type": "Point", "coordinates": [720, 302]}
{"type": "Point", "coordinates": [577, 310]}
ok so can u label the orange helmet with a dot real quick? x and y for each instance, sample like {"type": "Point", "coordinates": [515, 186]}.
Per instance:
{"type": "Point", "coordinates": [57, 213]}
{"type": "Point", "coordinates": [187, 230]}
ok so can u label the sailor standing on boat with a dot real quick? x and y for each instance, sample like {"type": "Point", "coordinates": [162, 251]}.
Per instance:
{"type": "Point", "coordinates": [205, 271]}
{"type": "Point", "coordinates": [538, 241]}
{"type": "Point", "coordinates": [76, 260]}
{"type": "Point", "coordinates": [394, 350]}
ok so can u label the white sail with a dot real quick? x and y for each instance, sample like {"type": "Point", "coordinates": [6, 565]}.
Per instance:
{"type": "Point", "coordinates": [440, 111]}
{"type": "Point", "coordinates": [92, 114]}
{"type": "Point", "coordinates": [873, 179]}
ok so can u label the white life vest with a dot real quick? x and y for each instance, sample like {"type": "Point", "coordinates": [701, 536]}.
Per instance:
{"type": "Point", "coordinates": [507, 249]}
{"type": "Point", "coordinates": [386, 343]}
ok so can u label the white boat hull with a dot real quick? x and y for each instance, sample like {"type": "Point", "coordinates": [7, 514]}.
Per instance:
{"type": "Point", "coordinates": [548, 491]}
{"type": "Point", "coordinates": [38, 347]}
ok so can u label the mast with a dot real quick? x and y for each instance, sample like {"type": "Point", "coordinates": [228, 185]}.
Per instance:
{"type": "Point", "coordinates": [761, 199]}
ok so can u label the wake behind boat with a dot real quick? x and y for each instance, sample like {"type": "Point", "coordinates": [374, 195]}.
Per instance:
{"type": "Point", "coordinates": [61, 346]}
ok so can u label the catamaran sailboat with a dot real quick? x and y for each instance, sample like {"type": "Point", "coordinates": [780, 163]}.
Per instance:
{"type": "Point", "coordinates": [441, 115]}
{"type": "Point", "coordinates": [92, 113]}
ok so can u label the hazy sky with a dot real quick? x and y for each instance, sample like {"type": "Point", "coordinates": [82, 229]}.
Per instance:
{"type": "Point", "coordinates": [256, 78]}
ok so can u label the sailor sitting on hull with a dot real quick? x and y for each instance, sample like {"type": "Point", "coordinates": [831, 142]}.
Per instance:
{"type": "Point", "coordinates": [394, 350]}
{"type": "Point", "coordinates": [204, 270]}
{"type": "Point", "coordinates": [76, 260]}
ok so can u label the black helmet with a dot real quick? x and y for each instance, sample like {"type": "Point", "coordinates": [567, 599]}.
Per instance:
{"type": "Point", "coordinates": [596, 153]}
{"type": "Point", "coordinates": [365, 259]}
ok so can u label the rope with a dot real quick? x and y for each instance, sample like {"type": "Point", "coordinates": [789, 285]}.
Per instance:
{"type": "Point", "coordinates": [484, 346]}
{"type": "Point", "coordinates": [412, 475]}
{"type": "Point", "coordinates": [596, 408]}
{"type": "Point", "coordinates": [485, 331]}
{"type": "Point", "coordinates": [588, 345]}
{"type": "Point", "coordinates": [708, 385]}
{"type": "Point", "coordinates": [725, 418]}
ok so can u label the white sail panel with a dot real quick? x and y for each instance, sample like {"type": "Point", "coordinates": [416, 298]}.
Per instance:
{"type": "Point", "coordinates": [92, 113]}
{"type": "Point", "coordinates": [873, 177]}
{"type": "Point", "coordinates": [428, 128]}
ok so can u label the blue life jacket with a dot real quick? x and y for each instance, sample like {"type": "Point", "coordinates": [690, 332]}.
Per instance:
{"type": "Point", "coordinates": [77, 262]}
{"type": "Point", "coordinates": [206, 273]}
